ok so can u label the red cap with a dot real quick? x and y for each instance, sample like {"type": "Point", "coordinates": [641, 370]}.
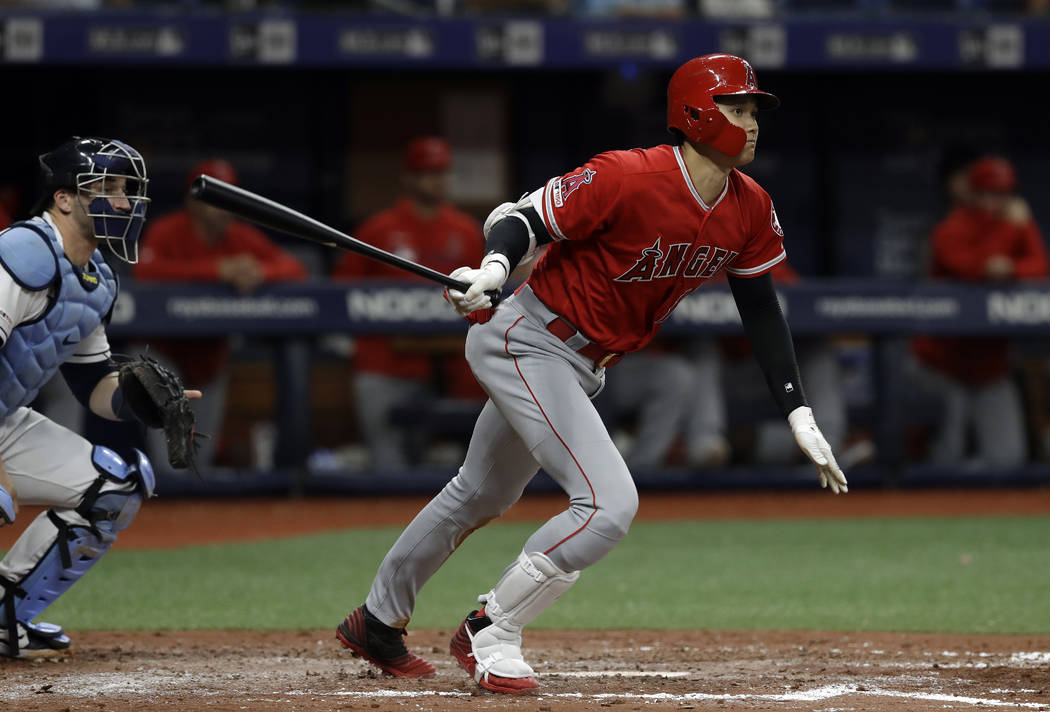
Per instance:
{"type": "Point", "coordinates": [994, 175]}
{"type": "Point", "coordinates": [427, 153]}
{"type": "Point", "coordinates": [216, 168]}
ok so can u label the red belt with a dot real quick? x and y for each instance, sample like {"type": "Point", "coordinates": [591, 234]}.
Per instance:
{"type": "Point", "coordinates": [565, 331]}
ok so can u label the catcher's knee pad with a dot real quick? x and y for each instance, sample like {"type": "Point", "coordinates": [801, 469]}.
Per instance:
{"type": "Point", "coordinates": [78, 538]}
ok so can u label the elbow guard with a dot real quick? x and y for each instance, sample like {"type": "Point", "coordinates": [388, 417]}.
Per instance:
{"type": "Point", "coordinates": [517, 231]}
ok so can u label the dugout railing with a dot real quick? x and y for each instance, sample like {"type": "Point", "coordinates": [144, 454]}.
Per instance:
{"type": "Point", "coordinates": [879, 314]}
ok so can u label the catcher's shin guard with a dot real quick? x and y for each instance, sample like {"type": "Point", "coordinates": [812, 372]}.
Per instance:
{"type": "Point", "coordinates": [64, 547]}
{"type": "Point", "coordinates": [488, 642]}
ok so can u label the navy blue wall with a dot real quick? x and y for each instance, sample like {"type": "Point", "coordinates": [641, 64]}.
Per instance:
{"type": "Point", "coordinates": [850, 159]}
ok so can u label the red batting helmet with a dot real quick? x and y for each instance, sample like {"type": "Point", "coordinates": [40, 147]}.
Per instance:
{"type": "Point", "coordinates": [691, 96]}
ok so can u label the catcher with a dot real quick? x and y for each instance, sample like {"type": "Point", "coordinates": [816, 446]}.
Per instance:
{"type": "Point", "coordinates": [56, 294]}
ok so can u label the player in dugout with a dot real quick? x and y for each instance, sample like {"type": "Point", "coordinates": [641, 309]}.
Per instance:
{"type": "Point", "coordinates": [990, 238]}
{"type": "Point", "coordinates": [630, 234]}
{"type": "Point", "coordinates": [392, 371]}
{"type": "Point", "coordinates": [201, 243]}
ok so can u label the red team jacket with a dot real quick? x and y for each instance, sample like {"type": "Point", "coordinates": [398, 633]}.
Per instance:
{"type": "Point", "coordinates": [633, 237]}
{"type": "Point", "coordinates": [445, 241]}
{"type": "Point", "coordinates": [173, 251]}
{"type": "Point", "coordinates": [960, 246]}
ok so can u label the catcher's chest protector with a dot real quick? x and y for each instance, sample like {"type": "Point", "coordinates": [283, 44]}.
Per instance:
{"type": "Point", "coordinates": [35, 350]}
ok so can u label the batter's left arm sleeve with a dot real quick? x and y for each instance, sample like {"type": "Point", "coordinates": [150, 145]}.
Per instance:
{"type": "Point", "coordinates": [770, 338]}
{"type": "Point", "coordinates": [520, 231]}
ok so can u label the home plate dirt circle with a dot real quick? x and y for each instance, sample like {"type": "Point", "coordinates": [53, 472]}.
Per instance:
{"type": "Point", "coordinates": [625, 670]}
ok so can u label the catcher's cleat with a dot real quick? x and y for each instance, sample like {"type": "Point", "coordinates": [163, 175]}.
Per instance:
{"type": "Point", "coordinates": [462, 649]}
{"type": "Point", "coordinates": [368, 637]}
{"type": "Point", "coordinates": [37, 641]}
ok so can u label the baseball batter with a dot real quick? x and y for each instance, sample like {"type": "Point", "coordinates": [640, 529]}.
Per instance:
{"type": "Point", "coordinates": [56, 292]}
{"type": "Point", "coordinates": [630, 234]}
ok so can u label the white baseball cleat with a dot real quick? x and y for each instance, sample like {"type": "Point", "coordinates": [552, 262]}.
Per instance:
{"type": "Point", "coordinates": [492, 655]}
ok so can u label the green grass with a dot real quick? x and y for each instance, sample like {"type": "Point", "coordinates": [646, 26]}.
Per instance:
{"type": "Point", "coordinates": [978, 575]}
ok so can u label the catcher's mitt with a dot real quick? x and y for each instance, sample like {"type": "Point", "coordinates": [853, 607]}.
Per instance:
{"type": "Point", "coordinates": [155, 395]}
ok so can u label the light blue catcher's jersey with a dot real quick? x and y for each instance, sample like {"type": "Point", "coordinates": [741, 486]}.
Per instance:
{"type": "Point", "coordinates": [32, 255]}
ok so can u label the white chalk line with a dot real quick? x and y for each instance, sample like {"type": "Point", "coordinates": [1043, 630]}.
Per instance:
{"type": "Point", "coordinates": [621, 673]}
{"type": "Point", "coordinates": [817, 694]}
{"type": "Point", "coordinates": [1036, 658]}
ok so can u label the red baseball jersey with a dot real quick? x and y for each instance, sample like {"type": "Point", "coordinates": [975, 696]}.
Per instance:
{"type": "Point", "coordinates": [173, 251]}
{"type": "Point", "coordinates": [633, 237]}
{"type": "Point", "coordinates": [961, 245]}
{"type": "Point", "coordinates": [443, 241]}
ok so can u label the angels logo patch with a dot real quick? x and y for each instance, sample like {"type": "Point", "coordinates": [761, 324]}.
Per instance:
{"type": "Point", "coordinates": [564, 187]}
{"type": "Point", "coordinates": [774, 221]}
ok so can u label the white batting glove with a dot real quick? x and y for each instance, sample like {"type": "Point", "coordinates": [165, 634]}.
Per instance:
{"type": "Point", "coordinates": [489, 276]}
{"type": "Point", "coordinates": [816, 447]}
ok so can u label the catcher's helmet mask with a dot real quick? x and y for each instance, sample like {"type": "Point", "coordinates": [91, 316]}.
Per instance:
{"type": "Point", "coordinates": [82, 165]}
{"type": "Point", "coordinates": [693, 94]}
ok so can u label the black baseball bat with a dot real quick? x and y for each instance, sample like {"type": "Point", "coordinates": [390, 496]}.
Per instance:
{"type": "Point", "coordinates": [272, 214]}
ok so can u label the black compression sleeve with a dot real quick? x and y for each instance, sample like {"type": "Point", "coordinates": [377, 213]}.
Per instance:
{"type": "Point", "coordinates": [536, 223]}
{"type": "Point", "coordinates": [510, 237]}
{"type": "Point", "coordinates": [770, 339]}
{"type": "Point", "coordinates": [83, 377]}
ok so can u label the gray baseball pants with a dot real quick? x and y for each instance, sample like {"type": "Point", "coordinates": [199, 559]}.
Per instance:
{"type": "Point", "coordinates": [539, 414]}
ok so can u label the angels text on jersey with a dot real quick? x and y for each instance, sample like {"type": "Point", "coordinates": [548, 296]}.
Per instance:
{"type": "Point", "coordinates": [698, 262]}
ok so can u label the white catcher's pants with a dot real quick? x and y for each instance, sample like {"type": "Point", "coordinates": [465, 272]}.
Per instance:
{"type": "Point", "coordinates": [49, 466]}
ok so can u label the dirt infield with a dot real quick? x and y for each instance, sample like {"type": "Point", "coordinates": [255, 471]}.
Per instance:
{"type": "Point", "coordinates": [628, 670]}
{"type": "Point", "coordinates": [625, 670]}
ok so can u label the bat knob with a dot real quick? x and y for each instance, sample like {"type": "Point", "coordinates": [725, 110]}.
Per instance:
{"type": "Point", "coordinates": [496, 296]}
{"type": "Point", "coordinates": [197, 187]}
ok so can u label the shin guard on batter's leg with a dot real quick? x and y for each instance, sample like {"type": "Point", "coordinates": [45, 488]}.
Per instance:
{"type": "Point", "coordinates": [59, 547]}
{"type": "Point", "coordinates": [488, 643]}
